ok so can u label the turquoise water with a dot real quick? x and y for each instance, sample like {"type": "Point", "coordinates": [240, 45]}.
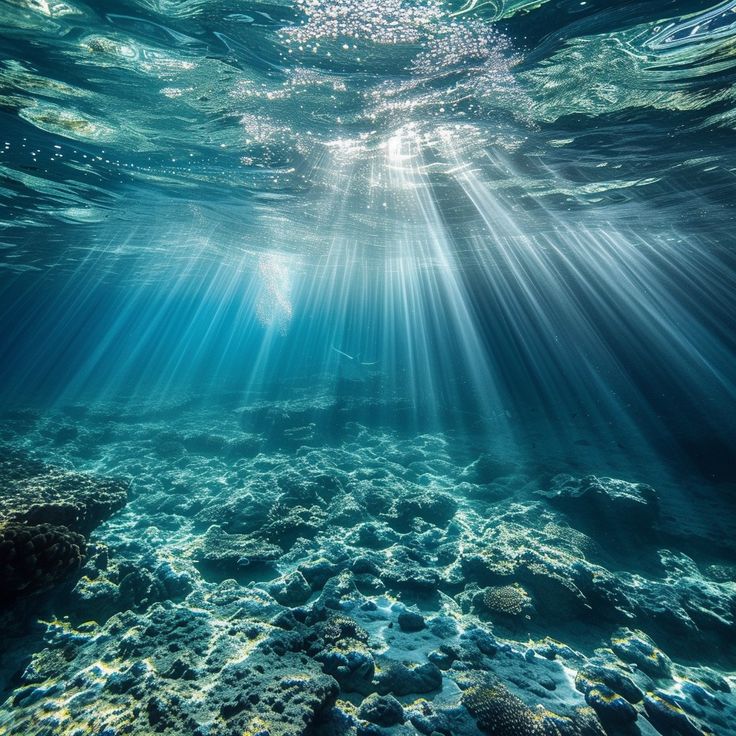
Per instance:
{"type": "Point", "coordinates": [367, 367]}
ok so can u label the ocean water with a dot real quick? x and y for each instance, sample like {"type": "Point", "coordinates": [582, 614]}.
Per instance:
{"type": "Point", "coordinates": [367, 368]}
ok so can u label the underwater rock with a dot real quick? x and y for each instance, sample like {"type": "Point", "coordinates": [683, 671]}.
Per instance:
{"type": "Point", "coordinates": [402, 573]}
{"type": "Point", "coordinates": [139, 588]}
{"type": "Point", "coordinates": [383, 710]}
{"type": "Point", "coordinates": [475, 640]}
{"type": "Point", "coordinates": [513, 553]}
{"type": "Point", "coordinates": [601, 500]}
{"type": "Point", "coordinates": [592, 675]}
{"type": "Point", "coordinates": [345, 511]}
{"type": "Point", "coordinates": [290, 590]}
{"type": "Point", "coordinates": [697, 614]}
{"type": "Point", "coordinates": [555, 589]}
{"type": "Point", "coordinates": [288, 523]}
{"type": "Point", "coordinates": [280, 696]}
{"type": "Point", "coordinates": [638, 649]}
{"type": "Point", "coordinates": [435, 508]}
{"type": "Point", "coordinates": [400, 679]}
{"type": "Point", "coordinates": [205, 444]}
{"type": "Point", "coordinates": [444, 656]}
{"type": "Point", "coordinates": [432, 719]}
{"type": "Point", "coordinates": [98, 598]}
{"type": "Point", "coordinates": [317, 572]}
{"type": "Point", "coordinates": [104, 589]}
{"type": "Point", "coordinates": [351, 663]}
{"type": "Point", "coordinates": [239, 511]}
{"type": "Point", "coordinates": [328, 552]}
{"type": "Point", "coordinates": [410, 621]}
{"type": "Point", "coordinates": [667, 717]}
{"type": "Point", "coordinates": [486, 468]}
{"type": "Point", "coordinates": [375, 535]}
{"type": "Point", "coordinates": [340, 644]}
{"type": "Point", "coordinates": [234, 553]}
{"type": "Point", "coordinates": [612, 709]}
{"type": "Point", "coordinates": [166, 633]}
{"type": "Point", "coordinates": [338, 590]}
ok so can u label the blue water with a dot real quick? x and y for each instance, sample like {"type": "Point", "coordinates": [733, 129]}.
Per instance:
{"type": "Point", "coordinates": [242, 243]}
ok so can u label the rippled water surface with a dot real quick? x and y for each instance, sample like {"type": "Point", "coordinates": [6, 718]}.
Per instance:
{"type": "Point", "coordinates": [292, 125]}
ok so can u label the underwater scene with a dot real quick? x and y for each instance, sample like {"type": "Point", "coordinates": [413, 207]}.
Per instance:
{"type": "Point", "coordinates": [367, 367]}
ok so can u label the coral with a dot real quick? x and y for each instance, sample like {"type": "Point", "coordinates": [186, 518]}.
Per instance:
{"type": "Point", "coordinates": [45, 514]}
{"type": "Point", "coordinates": [315, 571]}
{"type": "Point", "coordinates": [501, 713]}
{"type": "Point", "coordinates": [337, 628]}
{"type": "Point", "coordinates": [35, 493]}
{"type": "Point", "coordinates": [510, 601]}
{"type": "Point", "coordinates": [34, 557]}
{"type": "Point", "coordinates": [513, 552]}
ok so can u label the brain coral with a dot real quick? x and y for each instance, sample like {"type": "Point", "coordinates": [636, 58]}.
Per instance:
{"type": "Point", "coordinates": [34, 557]}
{"type": "Point", "coordinates": [501, 713]}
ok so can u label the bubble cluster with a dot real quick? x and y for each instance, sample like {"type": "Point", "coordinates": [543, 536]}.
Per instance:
{"type": "Point", "coordinates": [274, 307]}
{"type": "Point", "coordinates": [386, 22]}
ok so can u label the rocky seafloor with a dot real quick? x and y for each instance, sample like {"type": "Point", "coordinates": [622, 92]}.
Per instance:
{"type": "Point", "coordinates": [296, 568]}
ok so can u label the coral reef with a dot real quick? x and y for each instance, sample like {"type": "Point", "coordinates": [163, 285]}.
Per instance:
{"type": "Point", "coordinates": [36, 493]}
{"type": "Point", "coordinates": [46, 513]}
{"type": "Point", "coordinates": [368, 584]}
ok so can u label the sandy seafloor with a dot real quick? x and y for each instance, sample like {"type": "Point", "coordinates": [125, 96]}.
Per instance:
{"type": "Point", "coordinates": [293, 568]}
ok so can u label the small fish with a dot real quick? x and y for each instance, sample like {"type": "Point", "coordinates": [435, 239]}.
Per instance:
{"type": "Point", "coordinates": [355, 359]}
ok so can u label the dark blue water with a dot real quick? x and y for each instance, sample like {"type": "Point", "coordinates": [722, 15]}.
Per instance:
{"type": "Point", "coordinates": [383, 284]}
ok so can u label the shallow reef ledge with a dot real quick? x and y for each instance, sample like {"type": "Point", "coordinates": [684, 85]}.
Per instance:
{"type": "Point", "coordinates": [46, 516]}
